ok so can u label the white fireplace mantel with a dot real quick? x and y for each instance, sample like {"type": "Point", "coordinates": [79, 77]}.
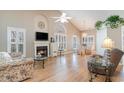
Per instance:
{"type": "Point", "coordinates": [41, 43]}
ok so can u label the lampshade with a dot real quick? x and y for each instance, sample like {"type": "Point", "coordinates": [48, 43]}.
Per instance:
{"type": "Point", "coordinates": [108, 43]}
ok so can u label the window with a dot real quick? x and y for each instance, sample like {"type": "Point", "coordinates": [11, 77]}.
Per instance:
{"type": "Point", "coordinates": [16, 40]}
{"type": "Point", "coordinates": [88, 41]}
{"type": "Point", "coordinates": [61, 41]}
{"type": "Point", "coordinates": [60, 36]}
{"type": "Point", "coordinates": [75, 43]}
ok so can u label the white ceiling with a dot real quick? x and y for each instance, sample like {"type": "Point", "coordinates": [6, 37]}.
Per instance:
{"type": "Point", "coordinates": [85, 19]}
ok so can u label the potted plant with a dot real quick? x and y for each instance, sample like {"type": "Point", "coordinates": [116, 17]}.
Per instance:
{"type": "Point", "coordinates": [113, 22]}
{"type": "Point", "coordinates": [98, 25]}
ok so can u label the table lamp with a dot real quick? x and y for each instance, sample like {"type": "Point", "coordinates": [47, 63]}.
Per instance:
{"type": "Point", "coordinates": [108, 44]}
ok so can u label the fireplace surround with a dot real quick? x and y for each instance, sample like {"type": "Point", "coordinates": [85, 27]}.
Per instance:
{"type": "Point", "coordinates": [41, 48]}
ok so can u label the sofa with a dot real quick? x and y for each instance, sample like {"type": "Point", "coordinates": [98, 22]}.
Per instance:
{"type": "Point", "coordinates": [15, 70]}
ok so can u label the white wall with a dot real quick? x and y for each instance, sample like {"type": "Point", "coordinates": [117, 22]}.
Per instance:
{"type": "Point", "coordinates": [100, 36]}
{"type": "Point", "coordinates": [115, 35]}
{"type": "Point", "coordinates": [29, 20]}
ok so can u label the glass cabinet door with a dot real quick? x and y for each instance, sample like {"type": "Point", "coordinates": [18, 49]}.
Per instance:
{"type": "Point", "coordinates": [13, 36]}
{"type": "Point", "coordinates": [20, 42]}
{"type": "Point", "coordinates": [13, 40]}
{"type": "Point", "coordinates": [20, 48]}
{"type": "Point", "coordinates": [13, 48]}
{"type": "Point", "coordinates": [16, 40]}
{"type": "Point", "coordinates": [20, 37]}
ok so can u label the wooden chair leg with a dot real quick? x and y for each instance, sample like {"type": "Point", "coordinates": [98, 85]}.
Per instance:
{"type": "Point", "coordinates": [91, 78]}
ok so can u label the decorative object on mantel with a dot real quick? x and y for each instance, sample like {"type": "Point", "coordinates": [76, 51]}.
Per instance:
{"type": "Point", "coordinates": [113, 22]}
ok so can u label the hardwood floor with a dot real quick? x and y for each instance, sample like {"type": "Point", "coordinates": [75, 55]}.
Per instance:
{"type": "Point", "coordinates": [68, 68]}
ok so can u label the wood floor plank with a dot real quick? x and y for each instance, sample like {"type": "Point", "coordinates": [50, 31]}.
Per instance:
{"type": "Point", "coordinates": [68, 68]}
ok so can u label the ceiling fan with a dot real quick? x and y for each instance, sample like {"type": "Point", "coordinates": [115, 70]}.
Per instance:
{"type": "Point", "coordinates": [63, 18]}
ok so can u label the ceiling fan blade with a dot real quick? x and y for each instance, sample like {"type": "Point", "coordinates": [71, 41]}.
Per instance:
{"type": "Point", "coordinates": [68, 17]}
{"type": "Point", "coordinates": [58, 20]}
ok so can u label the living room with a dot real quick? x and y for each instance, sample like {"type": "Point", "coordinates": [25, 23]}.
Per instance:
{"type": "Point", "coordinates": [43, 43]}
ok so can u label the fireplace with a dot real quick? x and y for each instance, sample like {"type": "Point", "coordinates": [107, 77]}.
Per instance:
{"type": "Point", "coordinates": [42, 50]}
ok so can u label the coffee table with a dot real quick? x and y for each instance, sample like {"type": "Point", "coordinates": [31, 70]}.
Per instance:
{"type": "Point", "coordinates": [40, 59]}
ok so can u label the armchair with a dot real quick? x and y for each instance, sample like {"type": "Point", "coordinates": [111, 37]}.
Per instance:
{"type": "Point", "coordinates": [115, 58]}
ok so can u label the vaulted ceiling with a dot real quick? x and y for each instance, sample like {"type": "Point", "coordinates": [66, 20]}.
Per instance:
{"type": "Point", "coordinates": [85, 19]}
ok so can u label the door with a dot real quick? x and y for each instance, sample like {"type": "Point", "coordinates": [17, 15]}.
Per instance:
{"type": "Point", "coordinates": [75, 42]}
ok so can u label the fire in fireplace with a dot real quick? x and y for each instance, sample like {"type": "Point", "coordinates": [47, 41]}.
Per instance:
{"type": "Point", "coordinates": [42, 50]}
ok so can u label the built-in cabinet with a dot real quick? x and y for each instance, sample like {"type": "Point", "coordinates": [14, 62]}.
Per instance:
{"type": "Point", "coordinates": [16, 40]}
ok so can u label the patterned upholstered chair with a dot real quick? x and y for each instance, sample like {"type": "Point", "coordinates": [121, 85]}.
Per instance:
{"type": "Point", "coordinates": [115, 58]}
